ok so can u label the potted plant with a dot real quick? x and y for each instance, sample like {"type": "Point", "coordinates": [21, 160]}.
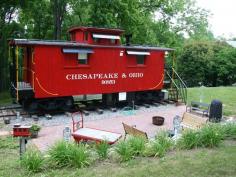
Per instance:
{"type": "Point", "coordinates": [34, 130]}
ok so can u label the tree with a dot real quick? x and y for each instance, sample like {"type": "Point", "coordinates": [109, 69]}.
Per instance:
{"type": "Point", "coordinates": [8, 10]}
{"type": "Point", "coordinates": [225, 65]}
{"type": "Point", "coordinates": [211, 63]}
{"type": "Point", "coordinates": [59, 10]}
{"type": "Point", "coordinates": [37, 20]}
{"type": "Point", "coordinates": [155, 22]}
{"type": "Point", "coordinates": [79, 12]}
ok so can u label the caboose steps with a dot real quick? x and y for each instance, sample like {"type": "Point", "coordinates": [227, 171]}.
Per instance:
{"type": "Point", "coordinates": [177, 89]}
{"type": "Point", "coordinates": [21, 90]}
{"type": "Point", "coordinates": [24, 86]}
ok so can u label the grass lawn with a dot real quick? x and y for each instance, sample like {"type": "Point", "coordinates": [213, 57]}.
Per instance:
{"type": "Point", "coordinates": [226, 94]}
{"type": "Point", "coordinates": [5, 98]}
{"type": "Point", "coordinates": [199, 162]}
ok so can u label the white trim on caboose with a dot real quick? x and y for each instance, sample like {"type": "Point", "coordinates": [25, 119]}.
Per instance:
{"type": "Point", "coordinates": [73, 50]}
{"type": "Point", "coordinates": [102, 36]}
{"type": "Point", "coordinates": [130, 52]}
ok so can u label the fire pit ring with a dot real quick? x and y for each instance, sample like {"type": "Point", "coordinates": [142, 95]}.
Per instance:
{"type": "Point", "coordinates": [158, 120]}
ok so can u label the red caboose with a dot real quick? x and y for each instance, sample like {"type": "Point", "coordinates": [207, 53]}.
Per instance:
{"type": "Point", "coordinates": [49, 73]}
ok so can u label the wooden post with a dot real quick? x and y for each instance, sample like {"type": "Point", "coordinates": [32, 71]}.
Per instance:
{"type": "Point", "coordinates": [17, 73]}
{"type": "Point", "coordinates": [23, 141]}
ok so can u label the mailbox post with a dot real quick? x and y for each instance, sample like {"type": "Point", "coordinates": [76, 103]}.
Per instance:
{"type": "Point", "coordinates": [23, 132]}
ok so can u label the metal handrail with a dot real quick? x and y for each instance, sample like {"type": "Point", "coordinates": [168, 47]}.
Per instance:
{"type": "Point", "coordinates": [180, 86]}
{"type": "Point", "coordinates": [184, 87]}
{"type": "Point", "coordinates": [179, 78]}
{"type": "Point", "coordinates": [171, 79]}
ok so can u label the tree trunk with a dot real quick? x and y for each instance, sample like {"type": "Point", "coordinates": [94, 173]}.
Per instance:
{"type": "Point", "coordinates": [59, 7]}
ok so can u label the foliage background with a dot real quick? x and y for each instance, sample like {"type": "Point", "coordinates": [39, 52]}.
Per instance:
{"type": "Point", "coordinates": [178, 24]}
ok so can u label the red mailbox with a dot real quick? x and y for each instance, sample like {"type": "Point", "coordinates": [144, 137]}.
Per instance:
{"type": "Point", "coordinates": [23, 131]}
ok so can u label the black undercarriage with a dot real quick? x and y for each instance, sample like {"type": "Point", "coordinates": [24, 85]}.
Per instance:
{"type": "Point", "coordinates": [33, 105]}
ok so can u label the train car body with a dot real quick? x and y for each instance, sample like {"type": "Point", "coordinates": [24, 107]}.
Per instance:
{"type": "Point", "coordinates": [93, 62]}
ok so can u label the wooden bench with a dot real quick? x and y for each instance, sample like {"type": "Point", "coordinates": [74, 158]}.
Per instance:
{"type": "Point", "coordinates": [192, 121]}
{"type": "Point", "coordinates": [199, 107]}
{"type": "Point", "coordinates": [130, 130]}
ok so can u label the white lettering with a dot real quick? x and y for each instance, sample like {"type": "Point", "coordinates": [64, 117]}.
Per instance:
{"type": "Point", "coordinates": [135, 75]}
{"type": "Point", "coordinates": [115, 75]}
{"type": "Point", "coordinates": [108, 82]}
{"type": "Point", "coordinates": [92, 76]}
{"type": "Point", "coordinates": [68, 76]}
{"type": "Point", "coordinates": [106, 78]}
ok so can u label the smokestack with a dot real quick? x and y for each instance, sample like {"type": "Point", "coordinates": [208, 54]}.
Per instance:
{"type": "Point", "coordinates": [128, 39]}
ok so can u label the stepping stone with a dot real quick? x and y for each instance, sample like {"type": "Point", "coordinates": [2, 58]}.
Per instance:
{"type": "Point", "coordinates": [113, 109]}
{"type": "Point", "coordinates": [85, 112]}
{"type": "Point", "coordinates": [99, 111]}
{"type": "Point", "coordinates": [146, 105]}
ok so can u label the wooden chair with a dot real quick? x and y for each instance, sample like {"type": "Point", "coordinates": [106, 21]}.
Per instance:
{"type": "Point", "coordinates": [192, 121]}
{"type": "Point", "coordinates": [130, 130]}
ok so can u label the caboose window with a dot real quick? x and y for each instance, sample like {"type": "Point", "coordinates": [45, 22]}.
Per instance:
{"type": "Point", "coordinates": [113, 41]}
{"type": "Point", "coordinates": [96, 40]}
{"type": "Point", "coordinates": [140, 56]}
{"type": "Point", "coordinates": [82, 54]}
{"type": "Point", "coordinates": [140, 59]}
{"type": "Point", "coordinates": [83, 58]}
{"type": "Point", "coordinates": [85, 35]}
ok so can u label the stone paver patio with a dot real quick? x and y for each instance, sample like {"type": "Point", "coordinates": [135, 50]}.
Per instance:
{"type": "Point", "coordinates": [143, 121]}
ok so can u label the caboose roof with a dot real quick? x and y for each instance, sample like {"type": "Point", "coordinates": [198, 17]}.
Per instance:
{"type": "Point", "coordinates": [97, 30]}
{"type": "Point", "coordinates": [26, 42]}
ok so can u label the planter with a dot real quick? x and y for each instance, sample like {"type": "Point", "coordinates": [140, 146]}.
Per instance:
{"type": "Point", "coordinates": [34, 130]}
{"type": "Point", "coordinates": [34, 134]}
{"type": "Point", "coordinates": [158, 120]}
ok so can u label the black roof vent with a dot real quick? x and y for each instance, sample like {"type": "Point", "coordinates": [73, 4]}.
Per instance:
{"type": "Point", "coordinates": [128, 38]}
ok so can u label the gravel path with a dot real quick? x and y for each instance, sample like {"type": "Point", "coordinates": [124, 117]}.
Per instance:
{"type": "Point", "coordinates": [63, 119]}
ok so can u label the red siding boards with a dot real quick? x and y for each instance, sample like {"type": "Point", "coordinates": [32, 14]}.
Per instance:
{"type": "Point", "coordinates": [59, 74]}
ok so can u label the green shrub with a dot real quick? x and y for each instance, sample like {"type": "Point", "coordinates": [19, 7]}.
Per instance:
{"type": "Point", "coordinates": [159, 146]}
{"type": "Point", "coordinates": [35, 128]}
{"type": "Point", "coordinates": [208, 136]}
{"type": "Point", "coordinates": [60, 153]}
{"type": "Point", "coordinates": [79, 156]}
{"type": "Point", "coordinates": [229, 130]}
{"type": "Point", "coordinates": [189, 140]}
{"type": "Point", "coordinates": [69, 154]}
{"type": "Point", "coordinates": [32, 160]}
{"type": "Point", "coordinates": [164, 140]}
{"type": "Point", "coordinates": [102, 149]}
{"type": "Point", "coordinates": [211, 135]}
{"type": "Point", "coordinates": [154, 148]}
{"type": "Point", "coordinates": [137, 144]}
{"type": "Point", "coordinates": [124, 150]}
